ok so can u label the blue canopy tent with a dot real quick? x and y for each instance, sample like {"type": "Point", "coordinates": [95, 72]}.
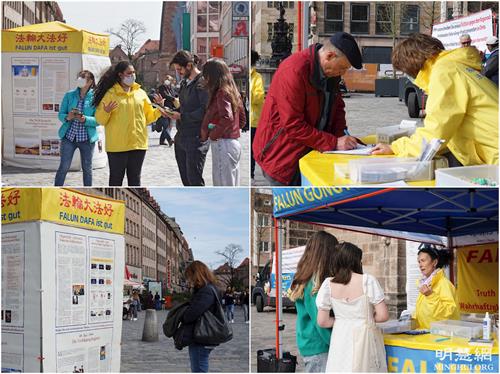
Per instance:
{"type": "Point", "coordinates": [437, 213]}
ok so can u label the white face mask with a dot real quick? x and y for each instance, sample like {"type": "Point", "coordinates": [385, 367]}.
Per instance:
{"type": "Point", "coordinates": [81, 82]}
{"type": "Point", "coordinates": [128, 79]}
{"type": "Point", "coordinates": [167, 82]}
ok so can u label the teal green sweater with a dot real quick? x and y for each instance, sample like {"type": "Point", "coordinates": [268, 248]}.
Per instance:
{"type": "Point", "coordinates": [311, 339]}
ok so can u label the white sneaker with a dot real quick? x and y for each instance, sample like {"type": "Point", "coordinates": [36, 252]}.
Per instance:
{"type": "Point", "coordinates": [135, 319]}
{"type": "Point", "coordinates": [232, 321]}
{"type": "Point", "coordinates": [247, 321]}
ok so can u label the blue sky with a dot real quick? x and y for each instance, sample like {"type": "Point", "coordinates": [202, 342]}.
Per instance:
{"type": "Point", "coordinates": [98, 16]}
{"type": "Point", "coordinates": [210, 218]}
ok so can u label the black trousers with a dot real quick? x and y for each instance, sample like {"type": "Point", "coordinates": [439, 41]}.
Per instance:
{"type": "Point", "coordinates": [190, 154]}
{"type": "Point", "coordinates": [130, 162]}
{"type": "Point", "coordinates": [252, 162]}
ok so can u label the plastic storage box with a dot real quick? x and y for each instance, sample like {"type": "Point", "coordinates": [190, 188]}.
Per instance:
{"type": "Point", "coordinates": [389, 169]}
{"type": "Point", "coordinates": [395, 326]}
{"type": "Point", "coordinates": [462, 329]}
{"type": "Point", "coordinates": [388, 134]}
{"type": "Point", "coordinates": [463, 176]}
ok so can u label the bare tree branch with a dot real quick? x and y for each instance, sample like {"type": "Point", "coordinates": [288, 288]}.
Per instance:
{"type": "Point", "coordinates": [230, 255]}
{"type": "Point", "coordinates": [129, 33]}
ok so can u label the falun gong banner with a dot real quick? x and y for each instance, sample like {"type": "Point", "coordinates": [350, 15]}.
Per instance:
{"type": "Point", "coordinates": [288, 201]}
{"type": "Point", "coordinates": [63, 206]}
{"type": "Point", "coordinates": [477, 283]}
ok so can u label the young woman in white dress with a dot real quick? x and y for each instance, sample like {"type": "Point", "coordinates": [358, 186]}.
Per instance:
{"type": "Point", "coordinates": [357, 301]}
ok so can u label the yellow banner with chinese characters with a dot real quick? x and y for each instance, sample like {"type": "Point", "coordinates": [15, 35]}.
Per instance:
{"type": "Point", "coordinates": [21, 204]}
{"type": "Point", "coordinates": [477, 282]}
{"type": "Point", "coordinates": [54, 37]}
{"type": "Point", "coordinates": [63, 206]}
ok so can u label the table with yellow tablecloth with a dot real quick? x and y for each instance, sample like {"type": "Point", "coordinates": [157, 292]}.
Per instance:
{"type": "Point", "coordinates": [317, 169]}
{"type": "Point", "coordinates": [438, 354]}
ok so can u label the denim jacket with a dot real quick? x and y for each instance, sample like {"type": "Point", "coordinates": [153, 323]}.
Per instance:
{"type": "Point", "coordinates": [69, 102]}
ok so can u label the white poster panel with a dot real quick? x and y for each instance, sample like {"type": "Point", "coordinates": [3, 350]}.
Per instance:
{"type": "Point", "coordinates": [25, 73]}
{"type": "Point", "coordinates": [289, 260]}
{"type": "Point", "coordinates": [478, 25]}
{"type": "Point", "coordinates": [33, 86]}
{"type": "Point", "coordinates": [21, 350]}
{"type": "Point", "coordinates": [84, 322]}
{"type": "Point", "coordinates": [412, 275]}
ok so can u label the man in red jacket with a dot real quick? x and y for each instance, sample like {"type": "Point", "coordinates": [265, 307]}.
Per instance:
{"type": "Point", "coordinates": [304, 109]}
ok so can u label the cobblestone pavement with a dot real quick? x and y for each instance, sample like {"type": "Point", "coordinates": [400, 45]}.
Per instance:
{"type": "Point", "coordinates": [154, 357]}
{"type": "Point", "coordinates": [364, 114]}
{"type": "Point", "coordinates": [264, 334]}
{"type": "Point", "coordinates": [159, 169]}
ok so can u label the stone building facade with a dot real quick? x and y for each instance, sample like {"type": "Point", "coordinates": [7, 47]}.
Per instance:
{"type": "Point", "coordinates": [22, 13]}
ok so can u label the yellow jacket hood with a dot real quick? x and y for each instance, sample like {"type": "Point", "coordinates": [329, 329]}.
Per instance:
{"type": "Point", "coordinates": [469, 57]}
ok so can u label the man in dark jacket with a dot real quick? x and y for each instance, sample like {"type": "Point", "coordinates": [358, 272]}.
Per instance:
{"type": "Point", "coordinates": [304, 109]}
{"type": "Point", "coordinates": [190, 151]}
{"type": "Point", "coordinates": [490, 69]}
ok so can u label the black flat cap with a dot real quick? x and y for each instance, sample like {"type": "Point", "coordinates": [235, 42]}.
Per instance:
{"type": "Point", "coordinates": [346, 43]}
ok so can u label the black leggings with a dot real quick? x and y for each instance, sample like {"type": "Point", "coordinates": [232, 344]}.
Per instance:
{"type": "Point", "coordinates": [130, 161]}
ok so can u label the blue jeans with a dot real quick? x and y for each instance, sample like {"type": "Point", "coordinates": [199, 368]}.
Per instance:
{"type": "Point", "coordinates": [230, 312]}
{"type": "Point", "coordinates": [67, 151]}
{"type": "Point", "coordinates": [198, 356]}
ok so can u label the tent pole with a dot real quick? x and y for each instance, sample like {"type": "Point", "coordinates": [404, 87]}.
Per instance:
{"type": "Point", "coordinates": [450, 248]}
{"type": "Point", "coordinates": [278, 245]}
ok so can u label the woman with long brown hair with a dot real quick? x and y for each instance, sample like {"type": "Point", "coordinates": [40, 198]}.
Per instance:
{"type": "Point", "coordinates": [204, 298]}
{"type": "Point", "coordinates": [224, 118]}
{"type": "Point", "coordinates": [315, 265]}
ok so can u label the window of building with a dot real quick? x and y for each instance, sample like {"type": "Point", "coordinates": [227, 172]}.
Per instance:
{"type": "Point", "coordinates": [213, 7]}
{"type": "Point", "coordinates": [213, 25]}
{"type": "Point", "coordinates": [360, 16]}
{"type": "Point", "coordinates": [262, 220]}
{"type": "Point", "coordinates": [410, 15]}
{"type": "Point", "coordinates": [384, 19]}
{"type": "Point", "coordinates": [334, 17]}
{"type": "Point", "coordinates": [201, 6]}
{"type": "Point", "coordinates": [269, 31]}
{"type": "Point", "coordinates": [202, 23]}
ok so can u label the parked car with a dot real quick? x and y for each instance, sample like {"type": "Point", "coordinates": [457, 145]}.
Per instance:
{"type": "Point", "coordinates": [260, 292]}
{"type": "Point", "coordinates": [414, 97]}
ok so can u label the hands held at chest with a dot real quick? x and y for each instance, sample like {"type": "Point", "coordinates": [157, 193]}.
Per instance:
{"type": "Point", "coordinates": [425, 290]}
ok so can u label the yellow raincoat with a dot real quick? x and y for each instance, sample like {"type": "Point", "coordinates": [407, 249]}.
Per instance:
{"type": "Point", "coordinates": [462, 109]}
{"type": "Point", "coordinates": [257, 96]}
{"type": "Point", "coordinates": [125, 126]}
{"type": "Point", "coordinates": [441, 304]}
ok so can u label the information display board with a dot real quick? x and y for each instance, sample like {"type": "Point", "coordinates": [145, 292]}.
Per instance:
{"type": "Point", "coordinates": [62, 282]}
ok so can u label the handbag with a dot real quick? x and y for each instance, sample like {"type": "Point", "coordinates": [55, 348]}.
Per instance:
{"type": "Point", "coordinates": [212, 328]}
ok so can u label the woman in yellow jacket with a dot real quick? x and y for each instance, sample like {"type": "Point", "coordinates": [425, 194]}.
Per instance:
{"type": "Point", "coordinates": [436, 299]}
{"type": "Point", "coordinates": [257, 101]}
{"type": "Point", "coordinates": [462, 105]}
{"type": "Point", "coordinates": [124, 110]}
